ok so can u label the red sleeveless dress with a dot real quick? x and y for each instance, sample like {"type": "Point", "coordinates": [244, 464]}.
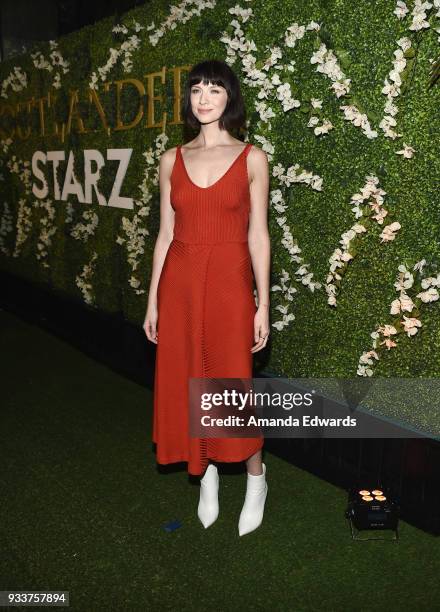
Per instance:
{"type": "Point", "coordinates": [206, 310]}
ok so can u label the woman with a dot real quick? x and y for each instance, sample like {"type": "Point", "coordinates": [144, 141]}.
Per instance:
{"type": "Point", "coordinates": [201, 309]}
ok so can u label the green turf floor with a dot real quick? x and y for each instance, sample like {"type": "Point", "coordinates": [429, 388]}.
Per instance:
{"type": "Point", "coordinates": [83, 507]}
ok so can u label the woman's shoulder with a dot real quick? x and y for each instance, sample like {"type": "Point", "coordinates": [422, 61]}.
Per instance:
{"type": "Point", "coordinates": [257, 156]}
{"type": "Point", "coordinates": [168, 157]}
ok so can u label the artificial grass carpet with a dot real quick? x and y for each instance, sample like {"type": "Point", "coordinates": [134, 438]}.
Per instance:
{"type": "Point", "coordinates": [84, 507]}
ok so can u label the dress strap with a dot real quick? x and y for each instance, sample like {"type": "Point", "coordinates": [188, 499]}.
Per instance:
{"type": "Point", "coordinates": [247, 149]}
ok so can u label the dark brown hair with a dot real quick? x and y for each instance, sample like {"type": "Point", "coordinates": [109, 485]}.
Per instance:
{"type": "Point", "coordinates": [216, 72]}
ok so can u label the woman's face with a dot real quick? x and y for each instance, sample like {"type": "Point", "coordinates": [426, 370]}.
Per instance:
{"type": "Point", "coordinates": [208, 101]}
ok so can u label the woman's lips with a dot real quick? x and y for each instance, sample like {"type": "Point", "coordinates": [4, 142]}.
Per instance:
{"type": "Point", "coordinates": [204, 110]}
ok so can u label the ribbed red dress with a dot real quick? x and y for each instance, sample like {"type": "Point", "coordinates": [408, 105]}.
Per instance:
{"type": "Point", "coordinates": [206, 310]}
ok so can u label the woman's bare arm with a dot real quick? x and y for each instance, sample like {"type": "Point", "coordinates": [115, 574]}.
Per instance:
{"type": "Point", "coordinates": [258, 233]}
{"type": "Point", "coordinates": [259, 240]}
{"type": "Point", "coordinates": [163, 240]}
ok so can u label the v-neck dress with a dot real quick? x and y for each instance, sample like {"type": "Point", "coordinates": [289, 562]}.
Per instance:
{"type": "Point", "coordinates": [206, 310]}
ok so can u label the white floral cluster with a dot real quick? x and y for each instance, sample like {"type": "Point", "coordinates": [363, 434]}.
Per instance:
{"type": "Point", "coordinates": [392, 88]}
{"type": "Point", "coordinates": [6, 227]}
{"type": "Point", "coordinates": [374, 194]}
{"type": "Point", "coordinates": [47, 229]}
{"type": "Point", "coordinates": [24, 216]}
{"type": "Point", "coordinates": [418, 14]}
{"type": "Point", "coordinates": [287, 292]}
{"type": "Point", "coordinates": [179, 14]}
{"type": "Point", "coordinates": [291, 176]}
{"type": "Point", "coordinates": [16, 80]}
{"type": "Point", "coordinates": [291, 244]}
{"type": "Point", "coordinates": [302, 273]}
{"type": "Point", "coordinates": [5, 143]}
{"type": "Point", "coordinates": [296, 32]}
{"type": "Point", "coordinates": [407, 151]}
{"type": "Point", "coordinates": [392, 84]}
{"type": "Point", "coordinates": [4, 148]}
{"type": "Point", "coordinates": [340, 258]}
{"type": "Point", "coordinates": [24, 225]}
{"type": "Point", "coordinates": [327, 63]}
{"type": "Point", "coordinates": [405, 303]}
{"type": "Point", "coordinates": [326, 125]}
{"type": "Point", "coordinates": [238, 46]}
{"type": "Point", "coordinates": [84, 231]}
{"type": "Point", "coordinates": [419, 21]}
{"type": "Point", "coordinates": [83, 280]}
{"type": "Point", "coordinates": [134, 228]}
{"type": "Point", "coordinates": [266, 145]}
{"type": "Point", "coordinates": [57, 63]}
{"type": "Point", "coordinates": [22, 168]}
{"type": "Point", "coordinates": [126, 49]}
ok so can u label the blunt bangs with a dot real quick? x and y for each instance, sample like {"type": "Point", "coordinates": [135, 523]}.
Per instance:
{"type": "Point", "coordinates": [215, 72]}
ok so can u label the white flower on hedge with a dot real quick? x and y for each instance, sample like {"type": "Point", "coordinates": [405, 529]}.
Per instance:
{"type": "Point", "coordinates": [389, 344]}
{"type": "Point", "coordinates": [410, 325]}
{"type": "Point", "coordinates": [366, 358]}
{"type": "Point", "coordinates": [316, 103]}
{"type": "Point", "coordinates": [5, 144]}
{"type": "Point", "coordinates": [134, 282]}
{"type": "Point", "coordinates": [340, 258]}
{"type": "Point", "coordinates": [134, 227]}
{"type": "Point", "coordinates": [83, 280]}
{"type": "Point", "coordinates": [401, 9]}
{"type": "Point", "coordinates": [180, 14]}
{"type": "Point", "coordinates": [388, 330]}
{"type": "Point", "coordinates": [403, 303]}
{"type": "Point", "coordinates": [120, 29]}
{"type": "Point", "coordinates": [324, 128]}
{"type": "Point", "coordinates": [84, 231]}
{"type": "Point", "coordinates": [293, 33]}
{"type": "Point", "coordinates": [24, 226]}
{"type": "Point", "coordinates": [57, 61]}
{"type": "Point", "coordinates": [407, 151]}
{"type": "Point", "coordinates": [16, 80]}
{"type": "Point", "coordinates": [351, 113]}
{"type": "Point", "coordinates": [380, 215]}
{"type": "Point", "coordinates": [284, 95]}
{"type": "Point", "coordinates": [47, 229]}
{"type": "Point", "coordinates": [422, 263]}
{"type": "Point", "coordinates": [419, 15]}
{"type": "Point", "coordinates": [126, 49]}
{"type": "Point", "coordinates": [364, 371]}
{"type": "Point", "coordinates": [405, 279]}
{"type": "Point", "coordinates": [404, 43]}
{"type": "Point", "coordinates": [392, 90]}
{"type": "Point", "coordinates": [57, 81]}
{"type": "Point", "coordinates": [389, 232]}
{"type": "Point", "coordinates": [431, 295]}
{"type": "Point", "coordinates": [430, 280]}
{"type": "Point", "coordinates": [328, 65]}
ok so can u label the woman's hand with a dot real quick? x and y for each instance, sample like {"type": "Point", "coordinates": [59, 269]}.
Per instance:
{"type": "Point", "coordinates": [261, 328]}
{"type": "Point", "coordinates": [150, 323]}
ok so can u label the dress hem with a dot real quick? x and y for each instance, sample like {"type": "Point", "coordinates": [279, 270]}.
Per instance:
{"type": "Point", "coordinates": [179, 459]}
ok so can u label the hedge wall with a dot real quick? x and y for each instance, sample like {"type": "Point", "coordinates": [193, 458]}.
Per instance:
{"type": "Point", "coordinates": [299, 63]}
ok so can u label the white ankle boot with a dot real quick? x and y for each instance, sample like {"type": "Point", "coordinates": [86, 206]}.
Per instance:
{"type": "Point", "coordinates": [253, 509]}
{"type": "Point", "coordinates": [208, 504]}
